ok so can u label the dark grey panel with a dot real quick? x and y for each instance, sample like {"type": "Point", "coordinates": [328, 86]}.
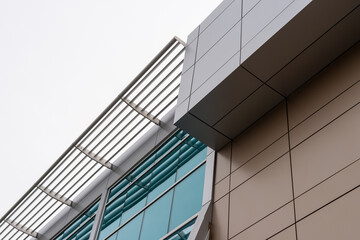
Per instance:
{"type": "Point", "coordinates": [260, 16]}
{"type": "Point", "coordinates": [214, 14]}
{"type": "Point", "coordinates": [296, 35]}
{"type": "Point", "coordinates": [193, 35]}
{"type": "Point", "coordinates": [248, 5]}
{"type": "Point", "coordinates": [218, 28]}
{"type": "Point", "coordinates": [318, 55]}
{"type": "Point", "coordinates": [255, 106]}
{"type": "Point", "coordinates": [185, 85]}
{"type": "Point", "coordinates": [202, 131]}
{"type": "Point", "coordinates": [217, 56]}
{"type": "Point", "coordinates": [190, 55]}
{"type": "Point", "coordinates": [228, 94]}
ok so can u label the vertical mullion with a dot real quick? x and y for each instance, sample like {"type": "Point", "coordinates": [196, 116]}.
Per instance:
{"type": "Point", "coordinates": [99, 215]}
{"type": "Point", "coordinates": [173, 193]}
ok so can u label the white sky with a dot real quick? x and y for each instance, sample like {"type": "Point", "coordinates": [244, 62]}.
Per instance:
{"type": "Point", "coordinates": [62, 62]}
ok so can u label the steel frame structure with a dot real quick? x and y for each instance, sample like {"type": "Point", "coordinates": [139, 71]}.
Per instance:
{"type": "Point", "coordinates": [141, 105]}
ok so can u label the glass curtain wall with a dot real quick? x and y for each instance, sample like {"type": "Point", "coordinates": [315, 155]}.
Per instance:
{"type": "Point", "coordinates": [80, 229]}
{"type": "Point", "coordinates": [158, 195]}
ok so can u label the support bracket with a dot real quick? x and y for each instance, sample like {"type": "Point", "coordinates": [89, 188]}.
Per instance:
{"type": "Point", "coordinates": [22, 228]}
{"type": "Point", "coordinates": [142, 111]}
{"type": "Point", "coordinates": [94, 157]}
{"type": "Point", "coordinates": [56, 196]}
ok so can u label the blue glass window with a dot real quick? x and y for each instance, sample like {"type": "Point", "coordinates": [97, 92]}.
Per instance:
{"type": "Point", "coordinates": [168, 180]}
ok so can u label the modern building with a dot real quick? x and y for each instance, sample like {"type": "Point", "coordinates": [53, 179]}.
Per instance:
{"type": "Point", "coordinates": [253, 134]}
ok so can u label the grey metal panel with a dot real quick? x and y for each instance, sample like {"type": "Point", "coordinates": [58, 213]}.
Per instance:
{"type": "Point", "coordinates": [318, 55]}
{"type": "Point", "coordinates": [181, 110]}
{"type": "Point", "coordinates": [216, 79]}
{"type": "Point", "coordinates": [202, 131]}
{"type": "Point", "coordinates": [214, 14]}
{"type": "Point", "coordinates": [209, 150]}
{"type": "Point", "coordinates": [260, 16]}
{"type": "Point", "coordinates": [190, 55]}
{"type": "Point", "coordinates": [185, 85]}
{"type": "Point", "coordinates": [218, 28]}
{"type": "Point", "coordinates": [255, 106]}
{"type": "Point", "coordinates": [201, 226]}
{"type": "Point", "coordinates": [230, 92]}
{"type": "Point", "coordinates": [217, 56]}
{"type": "Point", "coordinates": [209, 179]}
{"type": "Point", "coordinates": [272, 28]}
{"type": "Point", "coordinates": [248, 5]}
{"type": "Point", "coordinates": [304, 29]}
{"type": "Point", "coordinates": [193, 35]}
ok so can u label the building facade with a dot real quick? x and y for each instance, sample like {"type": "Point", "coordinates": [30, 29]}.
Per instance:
{"type": "Point", "coordinates": [262, 143]}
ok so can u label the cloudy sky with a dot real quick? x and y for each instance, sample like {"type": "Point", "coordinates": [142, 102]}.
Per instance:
{"type": "Point", "coordinates": [62, 62]}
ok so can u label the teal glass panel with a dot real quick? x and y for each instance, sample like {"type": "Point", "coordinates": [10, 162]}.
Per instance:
{"type": "Point", "coordinates": [89, 213]}
{"type": "Point", "coordinates": [72, 228]}
{"type": "Point", "coordinates": [161, 188]}
{"type": "Point", "coordinates": [193, 162]}
{"type": "Point", "coordinates": [131, 230]}
{"type": "Point", "coordinates": [84, 232]}
{"type": "Point", "coordinates": [107, 229]}
{"type": "Point", "coordinates": [117, 189]}
{"type": "Point", "coordinates": [132, 210]}
{"type": "Point", "coordinates": [176, 158]}
{"type": "Point", "coordinates": [156, 218]}
{"type": "Point", "coordinates": [187, 197]}
{"type": "Point", "coordinates": [140, 169]}
{"type": "Point", "coordinates": [168, 145]}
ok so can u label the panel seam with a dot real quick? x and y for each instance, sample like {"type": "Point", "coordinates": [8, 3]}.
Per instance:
{"type": "Point", "coordinates": [291, 166]}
